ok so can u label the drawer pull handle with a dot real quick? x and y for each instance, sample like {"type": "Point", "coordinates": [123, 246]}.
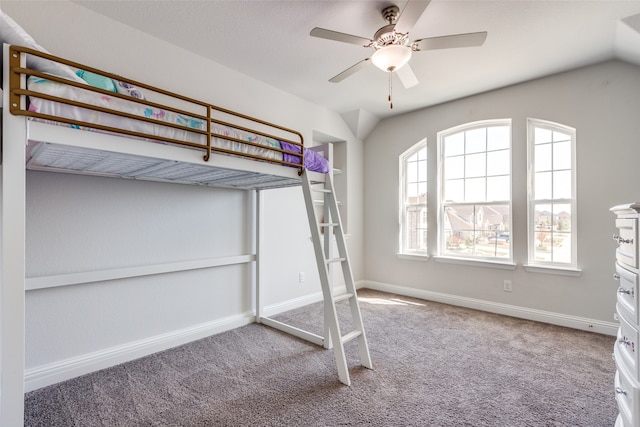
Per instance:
{"type": "Point", "coordinates": [624, 341]}
{"type": "Point", "coordinates": [625, 291]}
{"type": "Point", "coordinates": [620, 390]}
{"type": "Point", "coordinates": [620, 240]}
{"type": "Point", "coordinates": [616, 276]}
{"type": "Point", "coordinates": [615, 317]}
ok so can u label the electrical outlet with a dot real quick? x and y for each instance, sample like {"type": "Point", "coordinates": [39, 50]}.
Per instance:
{"type": "Point", "coordinates": [300, 277]}
{"type": "Point", "coordinates": [507, 286]}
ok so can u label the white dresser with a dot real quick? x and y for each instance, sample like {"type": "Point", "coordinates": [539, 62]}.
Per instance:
{"type": "Point", "coordinates": [626, 352]}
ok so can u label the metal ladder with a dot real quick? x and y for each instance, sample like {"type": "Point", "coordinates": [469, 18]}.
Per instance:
{"type": "Point", "coordinates": [321, 234]}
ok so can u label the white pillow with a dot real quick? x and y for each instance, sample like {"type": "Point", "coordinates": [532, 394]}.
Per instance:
{"type": "Point", "coordinates": [12, 33]}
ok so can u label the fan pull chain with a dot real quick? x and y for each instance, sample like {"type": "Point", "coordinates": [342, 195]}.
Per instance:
{"type": "Point", "coordinates": [390, 90]}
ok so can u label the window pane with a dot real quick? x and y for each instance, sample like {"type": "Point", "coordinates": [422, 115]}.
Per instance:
{"type": "Point", "coordinates": [422, 192]}
{"type": "Point", "coordinates": [541, 135]}
{"type": "Point", "coordinates": [542, 185]}
{"type": "Point", "coordinates": [498, 163]}
{"type": "Point", "coordinates": [475, 165]}
{"type": "Point", "coordinates": [454, 167]}
{"type": "Point", "coordinates": [416, 229]}
{"type": "Point", "coordinates": [542, 157]}
{"type": "Point", "coordinates": [475, 189]}
{"type": "Point", "coordinates": [454, 190]}
{"type": "Point", "coordinates": [561, 247]}
{"type": "Point", "coordinates": [454, 144]}
{"type": "Point", "coordinates": [412, 172]}
{"type": "Point", "coordinates": [498, 188]}
{"type": "Point", "coordinates": [560, 136]}
{"type": "Point", "coordinates": [476, 140]}
{"type": "Point", "coordinates": [562, 155]}
{"type": "Point", "coordinates": [562, 185]}
{"type": "Point", "coordinates": [458, 229]}
{"type": "Point", "coordinates": [412, 192]}
{"type": "Point", "coordinates": [562, 217]}
{"type": "Point", "coordinates": [542, 217]}
{"type": "Point", "coordinates": [498, 137]}
{"type": "Point", "coordinates": [422, 170]}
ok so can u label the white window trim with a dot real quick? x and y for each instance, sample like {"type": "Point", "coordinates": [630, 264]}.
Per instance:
{"type": "Point", "coordinates": [544, 266]}
{"type": "Point", "coordinates": [489, 261]}
{"type": "Point", "coordinates": [402, 252]}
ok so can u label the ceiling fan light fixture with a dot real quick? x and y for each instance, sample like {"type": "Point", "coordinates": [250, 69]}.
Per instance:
{"type": "Point", "coordinates": [392, 57]}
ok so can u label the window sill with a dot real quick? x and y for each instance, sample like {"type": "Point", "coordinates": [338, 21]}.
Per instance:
{"type": "Point", "coordinates": [503, 265]}
{"type": "Point", "coordinates": [413, 257]}
{"type": "Point", "coordinates": [560, 271]}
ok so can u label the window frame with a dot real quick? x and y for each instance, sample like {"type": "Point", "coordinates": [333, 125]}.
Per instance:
{"type": "Point", "coordinates": [443, 205]}
{"type": "Point", "coordinates": [532, 263]}
{"type": "Point", "coordinates": [403, 205]}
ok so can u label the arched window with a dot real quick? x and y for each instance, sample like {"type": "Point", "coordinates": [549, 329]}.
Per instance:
{"type": "Point", "coordinates": [474, 216]}
{"type": "Point", "coordinates": [552, 194]}
{"type": "Point", "coordinates": [413, 200]}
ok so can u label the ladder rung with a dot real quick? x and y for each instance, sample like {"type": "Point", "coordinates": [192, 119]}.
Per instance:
{"type": "Point", "coordinates": [321, 202]}
{"type": "Point", "coordinates": [321, 190]}
{"type": "Point", "coordinates": [328, 224]}
{"type": "Point", "coordinates": [342, 297]}
{"type": "Point", "coordinates": [332, 260]}
{"type": "Point", "coordinates": [351, 335]}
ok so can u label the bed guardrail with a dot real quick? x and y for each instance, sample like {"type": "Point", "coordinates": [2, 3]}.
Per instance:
{"type": "Point", "coordinates": [199, 111]}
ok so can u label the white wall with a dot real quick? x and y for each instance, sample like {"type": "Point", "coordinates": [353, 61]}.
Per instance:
{"type": "Point", "coordinates": [79, 224]}
{"type": "Point", "coordinates": [602, 103]}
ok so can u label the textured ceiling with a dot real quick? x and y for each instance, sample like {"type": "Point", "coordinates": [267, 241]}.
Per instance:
{"type": "Point", "coordinates": [269, 41]}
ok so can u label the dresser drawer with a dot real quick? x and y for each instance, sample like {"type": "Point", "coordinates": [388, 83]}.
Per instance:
{"type": "Point", "coordinates": [628, 399]}
{"type": "Point", "coordinates": [627, 294]}
{"type": "Point", "coordinates": [627, 237]}
{"type": "Point", "coordinates": [626, 347]}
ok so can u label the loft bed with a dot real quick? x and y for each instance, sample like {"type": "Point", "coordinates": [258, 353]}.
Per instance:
{"type": "Point", "coordinates": [62, 116]}
{"type": "Point", "coordinates": [97, 101]}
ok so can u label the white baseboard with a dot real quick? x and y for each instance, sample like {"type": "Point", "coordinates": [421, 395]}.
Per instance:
{"type": "Point", "coordinates": [575, 322]}
{"type": "Point", "coordinates": [44, 375]}
{"type": "Point", "coordinates": [52, 373]}
{"type": "Point", "coordinates": [274, 309]}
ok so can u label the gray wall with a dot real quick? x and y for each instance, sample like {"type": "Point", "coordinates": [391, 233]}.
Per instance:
{"type": "Point", "coordinates": [602, 102]}
{"type": "Point", "coordinates": [80, 224]}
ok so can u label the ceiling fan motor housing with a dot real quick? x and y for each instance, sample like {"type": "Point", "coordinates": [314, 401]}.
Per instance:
{"type": "Point", "coordinates": [387, 35]}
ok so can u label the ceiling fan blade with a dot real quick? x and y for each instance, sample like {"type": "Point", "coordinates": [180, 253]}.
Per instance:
{"type": "Point", "coordinates": [339, 37]}
{"type": "Point", "coordinates": [453, 41]}
{"type": "Point", "coordinates": [410, 15]}
{"type": "Point", "coordinates": [349, 71]}
{"type": "Point", "coordinates": [407, 77]}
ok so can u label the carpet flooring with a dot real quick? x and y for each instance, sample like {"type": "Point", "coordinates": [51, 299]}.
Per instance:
{"type": "Point", "coordinates": [434, 365]}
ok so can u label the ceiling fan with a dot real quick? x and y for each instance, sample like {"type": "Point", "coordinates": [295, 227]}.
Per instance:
{"type": "Point", "coordinates": [391, 43]}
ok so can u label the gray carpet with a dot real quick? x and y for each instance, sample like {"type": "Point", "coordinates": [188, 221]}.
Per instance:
{"type": "Point", "coordinates": [435, 365]}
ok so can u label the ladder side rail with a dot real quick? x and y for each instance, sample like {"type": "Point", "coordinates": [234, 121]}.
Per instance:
{"type": "Point", "coordinates": [328, 231]}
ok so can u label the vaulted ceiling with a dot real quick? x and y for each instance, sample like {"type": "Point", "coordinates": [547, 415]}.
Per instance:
{"type": "Point", "coordinates": [270, 41]}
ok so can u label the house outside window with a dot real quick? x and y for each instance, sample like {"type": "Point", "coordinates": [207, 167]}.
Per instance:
{"type": "Point", "coordinates": [552, 195]}
{"type": "Point", "coordinates": [475, 191]}
{"type": "Point", "coordinates": [413, 200]}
